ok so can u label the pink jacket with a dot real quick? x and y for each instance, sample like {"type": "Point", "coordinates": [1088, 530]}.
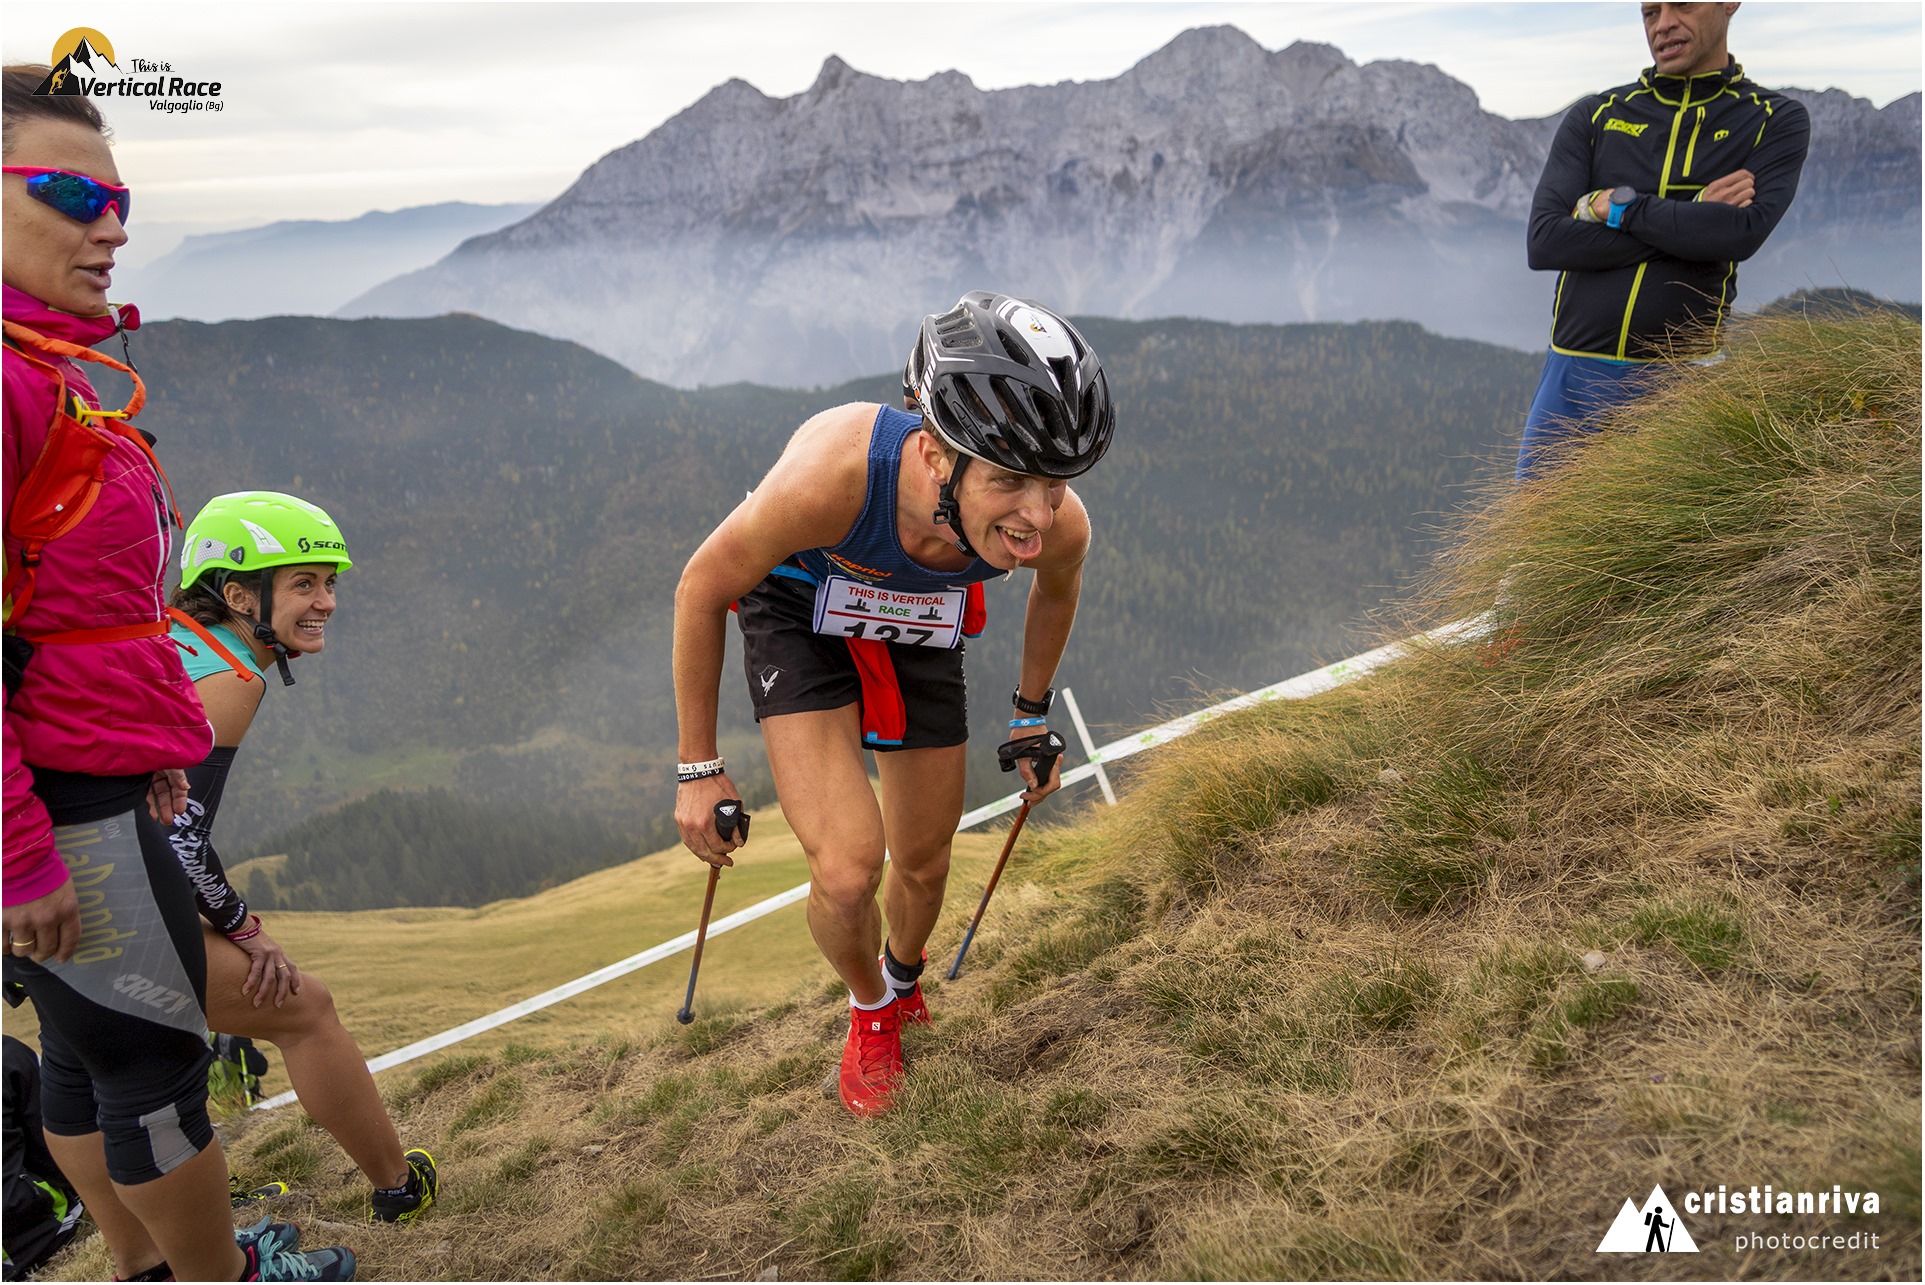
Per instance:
{"type": "Point", "coordinates": [107, 709]}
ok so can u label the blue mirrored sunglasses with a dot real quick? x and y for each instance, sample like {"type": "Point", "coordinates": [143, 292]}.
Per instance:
{"type": "Point", "coordinates": [80, 198]}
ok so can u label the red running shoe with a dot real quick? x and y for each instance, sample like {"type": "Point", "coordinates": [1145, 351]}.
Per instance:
{"type": "Point", "coordinates": [910, 1007]}
{"type": "Point", "coordinates": [871, 1060]}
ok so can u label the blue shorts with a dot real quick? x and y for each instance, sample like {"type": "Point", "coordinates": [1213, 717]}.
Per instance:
{"type": "Point", "coordinates": [1572, 396]}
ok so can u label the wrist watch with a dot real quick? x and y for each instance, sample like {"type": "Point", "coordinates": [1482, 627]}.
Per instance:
{"type": "Point", "coordinates": [1035, 708]}
{"type": "Point", "coordinates": [1621, 198]}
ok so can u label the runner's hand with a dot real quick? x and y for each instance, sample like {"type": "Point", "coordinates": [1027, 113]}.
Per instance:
{"type": "Point", "coordinates": [1026, 768]}
{"type": "Point", "coordinates": [167, 795]}
{"type": "Point", "coordinates": [695, 817]}
{"type": "Point", "coordinates": [268, 970]}
{"type": "Point", "coordinates": [46, 927]}
{"type": "Point", "coordinates": [1736, 188]}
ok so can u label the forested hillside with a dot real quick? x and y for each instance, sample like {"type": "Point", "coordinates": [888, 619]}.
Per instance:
{"type": "Point", "coordinates": [519, 510]}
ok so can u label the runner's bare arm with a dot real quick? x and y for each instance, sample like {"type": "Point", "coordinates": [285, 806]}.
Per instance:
{"type": "Point", "coordinates": [810, 498]}
{"type": "Point", "coordinates": [1050, 612]}
{"type": "Point", "coordinates": [1053, 594]}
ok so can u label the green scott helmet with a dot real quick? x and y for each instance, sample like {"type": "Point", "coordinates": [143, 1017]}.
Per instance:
{"type": "Point", "coordinates": [253, 530]}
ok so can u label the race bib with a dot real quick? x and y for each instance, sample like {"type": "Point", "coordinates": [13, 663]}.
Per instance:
{"type": "Point", "coordinates": [850, 609]}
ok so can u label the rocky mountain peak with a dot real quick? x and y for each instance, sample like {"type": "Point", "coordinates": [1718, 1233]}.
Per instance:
{"type": "Point", "coordinates": [798, 239]}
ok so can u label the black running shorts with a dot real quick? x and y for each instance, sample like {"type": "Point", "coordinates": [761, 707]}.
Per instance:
{"type": "Point", "coordinates": [122, 1044]}
{"type": "Point", "coordinates": [911, 697]}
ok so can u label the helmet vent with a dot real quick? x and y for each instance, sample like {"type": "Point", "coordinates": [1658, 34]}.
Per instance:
{"type": "Point", "coordinates": [1015, 350]}
{"type": "Point", "coordinates": [962, 341]}
{"type": "Point", "coordinates": [1056, 425]}
{"type": "Point", "coordinates": [1015, 414]}
{"type": "Point", "coordinates": [974, 404]}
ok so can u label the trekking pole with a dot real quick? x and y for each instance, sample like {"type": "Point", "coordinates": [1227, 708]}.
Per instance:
{"type": "Point", "coordinates": [728, 815]}
{"type": "Point", "coordinates": [1042, 750]}
{"type": "Point", "coordinates": [994, 875]}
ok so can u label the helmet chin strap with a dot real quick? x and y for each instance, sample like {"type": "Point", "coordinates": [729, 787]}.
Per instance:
{"type": "Point", "coordinates": [266, 634]}
{"type": "Point", "coordinates": [263, 632]}
{"type": "Point", "coordinates": [949, 510]}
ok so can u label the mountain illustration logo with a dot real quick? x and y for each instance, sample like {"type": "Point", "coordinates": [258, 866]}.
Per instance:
{"type": "Point", "coordinates": [82, 47]}
{"type": "Point", "coordinates": [1654, 1229]}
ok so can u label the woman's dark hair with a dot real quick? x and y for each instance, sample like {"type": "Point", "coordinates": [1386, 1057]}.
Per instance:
{"type": "Point", "coordinates": [204, 602]}
{"type": "Point", "coordinates": [21, 104]}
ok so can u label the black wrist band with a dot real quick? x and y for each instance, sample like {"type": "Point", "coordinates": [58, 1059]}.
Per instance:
{"type": "Point", "coordinates": [1038, 709]}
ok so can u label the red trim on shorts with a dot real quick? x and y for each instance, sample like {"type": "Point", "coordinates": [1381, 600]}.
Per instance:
{"type": "Point", "coordinates": [975, 611]}
{"type": "Point", "coordinates": [885, 718]}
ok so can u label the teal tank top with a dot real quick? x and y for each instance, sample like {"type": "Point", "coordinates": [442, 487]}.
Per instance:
{"type": "Point", "coordinates": [201, 660]}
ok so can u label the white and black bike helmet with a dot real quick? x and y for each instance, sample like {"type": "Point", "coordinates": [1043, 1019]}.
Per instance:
{"type": "Point", "coordinates": [1009, 382]}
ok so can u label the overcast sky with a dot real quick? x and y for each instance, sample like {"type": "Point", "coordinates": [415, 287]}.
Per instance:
{"type": "Point", "coordinates": [336, 107]}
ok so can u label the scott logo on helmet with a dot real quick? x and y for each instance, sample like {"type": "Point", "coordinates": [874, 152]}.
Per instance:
{"type": "Point", "coordinates": [309, 546]}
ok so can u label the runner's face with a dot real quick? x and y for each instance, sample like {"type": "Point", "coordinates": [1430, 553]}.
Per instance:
{"type": "Point", "coordinates": [63, 263]}
{"type": "Point", "coordinates": [303, 601]}
{"type": "Point", "coordinates": [1687, 39]}
{"type": "Point", "coordinates": [1008, 513]}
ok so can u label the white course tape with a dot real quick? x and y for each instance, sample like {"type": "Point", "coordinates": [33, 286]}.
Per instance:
{"type": "Point", "coordinates": [1303, 685]}
{"type": "Point", "coordinates": [567, 990]}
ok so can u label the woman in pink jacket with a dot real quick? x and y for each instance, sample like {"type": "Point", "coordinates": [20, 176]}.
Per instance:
{"type": "Point", "coordinates": [100, 922]}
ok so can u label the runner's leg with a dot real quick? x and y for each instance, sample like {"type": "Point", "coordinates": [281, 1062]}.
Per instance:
{"type": "Point", "coordinates": [325, 1065]}
{"type": "Point", "coordinates": [83, 1159]}
{"type": "Point", "coordinates": [922, 799]}
{"type": "Point", "coordinates": [121, 1025]}
{"type": "Point", "coordinates": [187, 1214]}
{"type": "Point", "coordinates": [816, 760]}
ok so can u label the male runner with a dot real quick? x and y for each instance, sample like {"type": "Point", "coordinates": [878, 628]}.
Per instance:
{"type": "Point", "coordinates": [1652, 195]}
{"type": "Point", "coordinates": [856, 567]}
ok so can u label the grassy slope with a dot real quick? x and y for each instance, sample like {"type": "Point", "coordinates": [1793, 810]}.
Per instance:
{"type": "Point", "coordinates": [401, 975]}
{"type": "Point", "coordinates": [1422, 978]}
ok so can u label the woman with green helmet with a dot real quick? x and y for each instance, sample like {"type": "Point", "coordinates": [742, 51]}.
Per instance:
{"type": "Point", "coordinates": [258, 571]}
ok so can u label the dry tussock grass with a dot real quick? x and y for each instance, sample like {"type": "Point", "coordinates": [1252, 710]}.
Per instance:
{"type": "Point", "coordinates": [1420, 979]}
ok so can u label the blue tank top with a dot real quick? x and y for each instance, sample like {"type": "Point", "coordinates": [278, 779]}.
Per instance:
{"type": "Point", "coordinates": [872, 552]}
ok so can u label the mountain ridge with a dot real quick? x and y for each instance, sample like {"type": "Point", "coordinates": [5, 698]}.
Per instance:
{"type": "Point", "coordinates": [795, 240]}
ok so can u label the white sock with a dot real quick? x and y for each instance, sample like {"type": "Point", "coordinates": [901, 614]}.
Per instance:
{"type": "Point", "coordinates": [888, 998]}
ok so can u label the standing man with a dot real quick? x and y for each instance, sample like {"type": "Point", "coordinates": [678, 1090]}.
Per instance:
{"type": "Point", "coordinates": [1652, 194]}
{"type": "Point", "coordinates": [856, 568]}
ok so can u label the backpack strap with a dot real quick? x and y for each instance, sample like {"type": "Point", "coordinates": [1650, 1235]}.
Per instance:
{"type": "Point", "coordinates": [105, 634]}
{"type": "Point", "coordinates": [26, 338]}
{"type": "Point", "coordinates": [57, 490]}
{"type": "Point", "coordinates": [46, 503]}
{"type": "Point", "coordinates": [242, 671]}
{"type": "Point", "coordinates": [116, 420]}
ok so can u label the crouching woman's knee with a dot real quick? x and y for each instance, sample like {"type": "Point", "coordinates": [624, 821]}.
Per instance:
{"type": "Point", "coordinates": [305, 1012]}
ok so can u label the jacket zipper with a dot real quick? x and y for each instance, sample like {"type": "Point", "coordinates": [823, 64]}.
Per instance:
{"type": "Point", "coordinates": [1692, 150]}
{"type": "Point", "coordinates": [1664, 188]}
{"type": "Point", "coordinates": [160, 573]}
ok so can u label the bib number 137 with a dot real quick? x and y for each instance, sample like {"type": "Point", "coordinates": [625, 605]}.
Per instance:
{"type": "Point", "coordinates": [847, 609]}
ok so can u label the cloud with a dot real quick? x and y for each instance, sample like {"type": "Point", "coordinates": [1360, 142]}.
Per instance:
{"type": "Point", "coordinates": [334, 107]}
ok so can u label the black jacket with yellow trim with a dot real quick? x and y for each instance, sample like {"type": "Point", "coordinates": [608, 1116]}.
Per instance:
{"type": "Point", "coordinates": [1671, 266]}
